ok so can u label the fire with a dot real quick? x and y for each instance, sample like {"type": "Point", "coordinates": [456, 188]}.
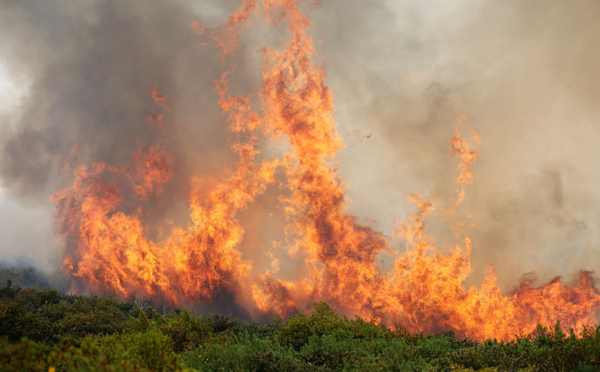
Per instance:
{"type": "Point", "coordinates": [108, 248]}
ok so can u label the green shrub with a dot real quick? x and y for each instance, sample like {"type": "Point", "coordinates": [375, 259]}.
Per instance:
{"type": "Point", "coordinates": [24, 355]}
{"type": "Point", "coordinates": [74, 333]}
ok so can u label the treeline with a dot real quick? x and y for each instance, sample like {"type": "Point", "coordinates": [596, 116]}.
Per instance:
{"type": "Point", "coordinates": [23, 277]}
{"type": "Point", "coordinates": [43, 330]}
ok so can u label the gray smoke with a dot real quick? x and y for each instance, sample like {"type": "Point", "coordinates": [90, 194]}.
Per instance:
{"type": "Point", "coordinates": [87, 69]}
{"type": "Point", "coordinates": [526, 74]}
{"type": "Point", "coordinates": [524, 71]}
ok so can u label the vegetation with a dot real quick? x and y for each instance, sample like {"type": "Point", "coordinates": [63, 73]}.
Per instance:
{"type": "Point", "coordinates": [23, 277]}
{"type": "Point", "coordinates": [47, 331]}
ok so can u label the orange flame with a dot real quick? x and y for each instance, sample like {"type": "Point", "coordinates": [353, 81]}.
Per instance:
{"type": "Point", "coordinates": [72, 155]}
{"type": "Point", "coordinates": [155, 119]}
{"type": "Point", "coordinates": [160, 99]}
{"type": "Point", "coordinates": [108, 249]}
{"type": "Point", "coordinates": [198, 28]}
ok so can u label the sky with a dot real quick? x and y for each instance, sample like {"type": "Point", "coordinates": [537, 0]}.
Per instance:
{"type": "Point", "coordinates": [524, 72]}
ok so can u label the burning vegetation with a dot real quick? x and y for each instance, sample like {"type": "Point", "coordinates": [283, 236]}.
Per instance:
{"type": "Point", "coordinates": [109, 249]}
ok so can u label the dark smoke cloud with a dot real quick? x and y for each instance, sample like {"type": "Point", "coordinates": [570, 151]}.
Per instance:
{"type": "Point", "coordinates": [524, 72]}
{"type": "Point", "coordinates": [92, 65]}
{"type": "Point", "coordinates": [86, 70]}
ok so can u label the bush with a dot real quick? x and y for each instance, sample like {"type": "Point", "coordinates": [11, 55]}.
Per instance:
{"type": "Point", "coordinates": [41, 330]}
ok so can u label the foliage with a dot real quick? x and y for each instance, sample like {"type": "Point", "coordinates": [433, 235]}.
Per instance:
{"type": "Point", "coordinates": [48, 316]}
{"type": "Point", "coordinates": [23, 277]}
{"type": "Point", "coordinates": [45, 330]}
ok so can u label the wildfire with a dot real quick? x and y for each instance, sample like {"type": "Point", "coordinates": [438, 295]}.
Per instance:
{"type": "Point", "coordinates": [108, 249]}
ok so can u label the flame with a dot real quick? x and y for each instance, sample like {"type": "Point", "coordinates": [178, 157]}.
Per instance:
{"type": "Point", "coordinates": [107, 247]}
{"type": "Point", "coordinates": [198, 28]}
{"type": "Point", "coordinates": [160, 99]}
{"type": "Point", "coordinates": [72, 155]}
{"type": "Point", "coordinates": [155, 119]}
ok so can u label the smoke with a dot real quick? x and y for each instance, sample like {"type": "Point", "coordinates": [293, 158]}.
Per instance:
{"type": "Point", "coordinates": [400, 71]}
{"type": "Point", "coordinates": [87, 70]}
{"type": "Point", "coordinates": [524, 73]}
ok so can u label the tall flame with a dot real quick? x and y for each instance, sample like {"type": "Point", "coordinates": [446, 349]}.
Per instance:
{"type": "Point", "coordinates": [107, 248]}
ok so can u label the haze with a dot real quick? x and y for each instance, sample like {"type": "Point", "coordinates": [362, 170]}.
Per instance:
{"type": "Point", "coordinates": [525, 73]}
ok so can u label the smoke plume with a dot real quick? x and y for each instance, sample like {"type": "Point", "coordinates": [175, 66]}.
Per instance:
{"type": "Point", "coordinates": [401, 73]}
